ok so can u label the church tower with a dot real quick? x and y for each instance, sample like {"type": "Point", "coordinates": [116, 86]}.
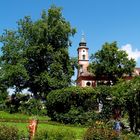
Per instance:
{"type": "Point", "coordinates": [83, 59]}
{"type": "Point", "coordinates": [84, 78]}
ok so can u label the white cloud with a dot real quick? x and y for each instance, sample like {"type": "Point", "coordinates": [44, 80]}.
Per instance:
{"type": "Point", "coordinates": [135, 54]}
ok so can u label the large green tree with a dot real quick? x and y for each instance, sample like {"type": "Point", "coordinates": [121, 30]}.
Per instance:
{"type": "Point", "coordinates": [111, 63]}
{"type": "Point", "coordinates": [35, 56]}
{"type": "Point", "coordinates": [126, 94]}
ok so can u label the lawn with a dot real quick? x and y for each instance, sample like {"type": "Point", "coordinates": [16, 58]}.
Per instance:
{"type": "Point", "coordinates": [17, 116]}
{"type": "Point", "coordinates": [49, 125]}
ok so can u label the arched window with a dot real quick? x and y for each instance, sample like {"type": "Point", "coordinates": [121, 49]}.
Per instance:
{"type": "Point", "coordinates": [84, 57]}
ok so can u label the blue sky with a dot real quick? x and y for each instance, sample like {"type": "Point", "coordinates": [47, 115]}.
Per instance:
{"type": "Point", "coordinates": [101, 20]}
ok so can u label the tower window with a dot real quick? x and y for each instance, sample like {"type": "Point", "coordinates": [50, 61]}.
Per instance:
{"type": "Point", "coordinates": [84, 57]}
{"type": "Point", "coordinates": [83, 50]}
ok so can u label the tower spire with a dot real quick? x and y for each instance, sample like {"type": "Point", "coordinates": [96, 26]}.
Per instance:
{"type": "Point", "coordinates": [83, 41]}
{"type": "Point", "coordinates": [83, 38]}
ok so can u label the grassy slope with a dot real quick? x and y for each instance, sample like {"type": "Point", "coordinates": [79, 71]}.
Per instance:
{"type": "Point", "coordinates": [50, 126]}
{"type": "Point", "coordinates": [5, 115]}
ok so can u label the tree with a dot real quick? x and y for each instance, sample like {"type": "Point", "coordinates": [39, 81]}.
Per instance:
{"type": "Point", "coordinates": [35, 56]}
{"type": "Point", "coordinates": [127, 95]}
{"type": "Point", "coordinates": [12, 72]}
{"type": "Point", "coordinates": [133, 104]}
{"type": "Point", "coordinates": [75, 66]}
{"type": "Point", "coordinates": [111, 63]}
{"type": "Point", "coordinates": [104, 98]}
{"type": "Point", "coordinates": [3, 95]}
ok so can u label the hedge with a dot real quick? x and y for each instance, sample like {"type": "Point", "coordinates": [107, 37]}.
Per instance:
{"type": "Point", "coordinates": [72, 104]}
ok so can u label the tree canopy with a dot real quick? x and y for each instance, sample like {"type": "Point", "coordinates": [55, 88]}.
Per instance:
{"type": "Point", "coordinates": [35, 56]}
{"type": "Point", "coordinates": [127, 95]}
{"type": "Point", "coordinates": [111, 62]}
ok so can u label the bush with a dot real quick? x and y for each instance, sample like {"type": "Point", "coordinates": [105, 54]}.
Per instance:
{"type": "Point", "coordinates": [25, 104]}
{"type": "Point", "coordinates": [56, 134]}
{"type": "Point", "coordinates": [100, 131]}
{"type": "Point", "coordinates": [101, 134]}
{"type": "Point", "coordinates": [104, 95]}
{"type": "Point", "coordinates": [76, 116]}
{"type": "Point", "coordinates": [13, 103]}
{"type": "Point", "coordinates": [32, 107]}
{"type": "Point", "coordinates": [71, 105]}
{"type": "Point", "coordinates": [9, 133]}
{"type": "Point", "coordinates": [131, 136]}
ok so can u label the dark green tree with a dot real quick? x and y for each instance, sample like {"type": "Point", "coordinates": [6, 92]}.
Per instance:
{"type": "Point", "coordinates": [35, 56]}
{"type": "Point", "coordinates": [12, 72]}
{"type": "Point", "coordinates": [133, 104]}
{"type": "Point", "coordinates": [111, 63]}
{"type": "Point", "coordinates": [127, 95]}
{"type": "Point", "coordinates": [3, 96]}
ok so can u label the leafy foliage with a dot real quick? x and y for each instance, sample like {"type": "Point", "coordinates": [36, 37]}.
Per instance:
{"type": "Point", "coordinates": [101, 131]}
{"type": "Point", "coordinates": [128, 95]}
{"type": "Point", "coordinates": [32, 107]}
{"type": "Point", "coordinates": [25, 104]}
{"type": "Point", "coordinates": [3, 97]}
{"type": "Point", "coordinates": [71, 105]}
{"type": "Point", "coordinates": [9, 133]}
{"type": "Point", "coordinates": [13, 103]}
{"type": "Point", "coordinates": [111, 63]}
{"type": "Point", "coordinates": [35, 56]}
{"type": "Point", "coordinates": [104, 96]}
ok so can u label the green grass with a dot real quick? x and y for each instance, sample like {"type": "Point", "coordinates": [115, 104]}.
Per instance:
{"type": "Point", "coordinates": [49, 126]}
{"type": "Point", "coordinates": [17, 116]}
{"type": "Point", "coordinates": [79, 131]}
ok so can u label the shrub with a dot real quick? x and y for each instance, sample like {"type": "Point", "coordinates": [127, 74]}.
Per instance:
{"type": "Point", "coordinates": [9, 133]}
{"type": "Point", "coordinates": [25, 104]}
{"type": "Point", "coordinates": [13, 103]}
{"type": "Point", "coordinates": [100, 131]}
{"type": "Point", "coordinates": [104, 95]}
{"type": "Point", "coordinates": [70, 105]}
{"type": "Point", "coordinates": [76, 116]}
{"type": "Point", "coordinates": [56, 134]}
{"type": "Point", "coordinates": [32, 107]}
{"type": "Point", "coordinates": [131, 136]}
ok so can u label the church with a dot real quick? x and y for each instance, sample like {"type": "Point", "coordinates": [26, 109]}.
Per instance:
{"type": "Point", "coordinates": [85, 78]}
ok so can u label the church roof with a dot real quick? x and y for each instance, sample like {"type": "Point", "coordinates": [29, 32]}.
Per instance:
{"type": "Point", "coordinates": [86, 74]}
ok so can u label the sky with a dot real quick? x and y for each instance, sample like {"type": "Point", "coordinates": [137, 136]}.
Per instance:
{"type": "Point", "coordinates": [101, 21]}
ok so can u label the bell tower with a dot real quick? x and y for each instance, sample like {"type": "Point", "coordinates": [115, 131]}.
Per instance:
{"type": "Point", "coordinates": [83, 59]}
